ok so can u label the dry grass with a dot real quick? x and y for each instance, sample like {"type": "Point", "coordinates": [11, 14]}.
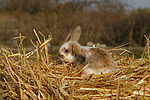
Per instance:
{"type": "Point", "coordinates": [42, 77]}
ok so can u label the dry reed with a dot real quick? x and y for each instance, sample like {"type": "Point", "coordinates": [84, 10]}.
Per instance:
{"type": "Point", "coordinates": [37, 75]}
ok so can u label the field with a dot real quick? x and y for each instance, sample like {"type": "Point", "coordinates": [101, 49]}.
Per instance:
{"type": "Point", "coordinates": [38, 75]}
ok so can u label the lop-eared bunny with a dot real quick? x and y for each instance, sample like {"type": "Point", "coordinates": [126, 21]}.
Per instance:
{"type": "Point", "coordinates": [98, 60]}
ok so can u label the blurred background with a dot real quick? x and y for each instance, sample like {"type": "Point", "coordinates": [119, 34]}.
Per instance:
{"type": "Point", "coordinates": [109, 22]}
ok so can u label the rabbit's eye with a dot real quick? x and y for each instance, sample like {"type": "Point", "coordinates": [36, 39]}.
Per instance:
{"type": "Point", "coordinates": [66, 51]}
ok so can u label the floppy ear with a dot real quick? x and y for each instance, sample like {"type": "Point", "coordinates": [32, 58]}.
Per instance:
{"type": "Point", "coordinates": [79, 52]}
{"type": "Point", "coordinates": [79, 57]}
{"type": "Point", "coordinates": [75, 36]}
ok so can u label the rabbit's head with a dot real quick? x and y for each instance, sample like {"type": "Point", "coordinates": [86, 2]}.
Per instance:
{"type": "Point", "coordinates": [66, 51]}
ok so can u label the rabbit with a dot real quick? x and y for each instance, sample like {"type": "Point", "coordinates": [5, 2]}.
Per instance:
{"type": "Point", "coordinates": [98, 60]}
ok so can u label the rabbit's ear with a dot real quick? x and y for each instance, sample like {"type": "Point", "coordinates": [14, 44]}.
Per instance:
{"type": "Point", "coordinates": [79, 52]}
{"type": "Point", "coordinates": [80, 58]}
{"type": "Point", "coordinates": [75, 36]}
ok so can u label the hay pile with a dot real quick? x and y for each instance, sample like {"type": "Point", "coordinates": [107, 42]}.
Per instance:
{"type": "Point", "coordinates": [37, 75]}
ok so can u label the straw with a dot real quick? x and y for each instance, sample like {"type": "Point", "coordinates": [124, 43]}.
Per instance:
{"type": "Point", "coordinates": [34, 75]}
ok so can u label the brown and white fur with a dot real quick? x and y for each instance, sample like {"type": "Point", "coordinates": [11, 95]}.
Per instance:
{"type": "Point", "coordinates": [99, 60]}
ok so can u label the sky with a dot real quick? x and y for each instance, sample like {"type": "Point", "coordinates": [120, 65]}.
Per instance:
{"type": "Point", "coordinates": [138, 3]}
{"type": "Point", "coordinates": [134, 3]}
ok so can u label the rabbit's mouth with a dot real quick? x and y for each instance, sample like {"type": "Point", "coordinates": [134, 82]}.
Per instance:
{"type": "Point", "coordinates": [62, 58]}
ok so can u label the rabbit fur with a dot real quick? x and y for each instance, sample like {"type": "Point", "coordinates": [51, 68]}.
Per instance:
{"type": "Point", "coordinates": [99, 60]}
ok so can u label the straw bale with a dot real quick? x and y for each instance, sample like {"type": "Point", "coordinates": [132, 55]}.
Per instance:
{"type": "Point", "coordinates": [37, 75]}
